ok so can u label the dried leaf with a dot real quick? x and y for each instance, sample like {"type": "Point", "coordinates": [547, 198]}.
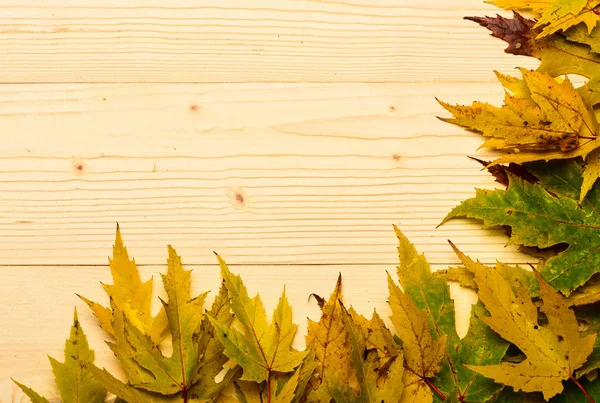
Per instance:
{"type": "Point", "coordinates": [130, 296]}
{"type": "Point", "coordinates": [517, 32]}
{"type": "Point", "coordinates": [558, 55]}
{"type": "Point", "coordinates": [553, 352]}
{"type": "Point", "coordinates": [75, 384]}
{"type": "Point", "coordinates": [259, 348]}
{"type": "Point", "coordinates": [173, 374]}
{"type": "Point", "coordinates": [544, 120]}
{"type": "Point", "coordinates": [546, 215]}
{"type": "Point", "coordinates": [377, 360]}
{"type": "Point", "coordinates": [561, 15]}
{"type": "Point", "coordinates": [534, 6]}
{"type": "Point", "coordinates": [329, 340]}
{"type": "Point", "coordinates": [424, 343]}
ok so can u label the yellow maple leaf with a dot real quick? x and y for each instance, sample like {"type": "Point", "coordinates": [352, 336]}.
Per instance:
{"type": "Point", "coordinates": [543, 119]}
{"type": "Point", "coordinates": [377, 360]}
{"type": "Point", "coordinates": [328, 338]}
{"type": "Point", "coordinates": [534, 6]}
{"type": "Point", "coordinates": [130, 296]}
{"type": "Point", "coordinates": [563, 14]}
{"type": "Point", "coordinates": [553, 352]}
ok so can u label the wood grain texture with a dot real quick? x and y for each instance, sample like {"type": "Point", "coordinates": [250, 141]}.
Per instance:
{"type": "Point", "coordinates": [47, 41]}
{"type": "Point", "coordinates": [288, 135]}
{"type": "Point", "coordinates": [263, 174]}
{"type": "Point", "coordinates": [37, 323]}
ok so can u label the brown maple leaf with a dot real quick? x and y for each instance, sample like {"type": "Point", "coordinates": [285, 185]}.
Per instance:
{"type": "Point", "coordinates": [517, 32]}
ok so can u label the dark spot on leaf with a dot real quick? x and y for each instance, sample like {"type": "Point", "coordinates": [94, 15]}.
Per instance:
{"type": "Point", "coordinates": [536, 327]}
{"type": "Point", "coordinates": [560, 338]}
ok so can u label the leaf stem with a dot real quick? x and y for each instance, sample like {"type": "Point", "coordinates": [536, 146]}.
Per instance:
{"type": "Point", "coordinates": [185, 395]}
{"type": "Point", "coordinates": [580, 386]}
{"type": "Point", "coordinates": [436, 390]}
{"type": "Point", "coordinates": [269, 387]}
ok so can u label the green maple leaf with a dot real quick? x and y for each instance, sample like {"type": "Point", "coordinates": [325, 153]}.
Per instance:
{"type": "Point", "coordinates": [75, 384]}
{"type": "Point", "coordinates": [259, 348]}
{"type": "Point", "coordinates": [481, 345]}
{"type": "Point", "coordinates": [545, 215]}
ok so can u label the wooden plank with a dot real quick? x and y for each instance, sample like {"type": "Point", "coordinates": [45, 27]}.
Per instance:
{"type": "Point", "coordinates": [36, 306]}
{"type": "Point", "coordinates": [262, 173]}
{"type": "Point", "coordinates": [238, 41]}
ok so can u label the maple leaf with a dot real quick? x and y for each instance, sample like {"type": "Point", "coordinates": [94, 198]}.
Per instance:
{"type": "Point", "coordinates": [515, 31]}
{"type": "Point", "coordinates": [546, 215]}
{"type": "Point", "coordinates": [259, 348]}
{"type": "Point", "coordinates": [284, 388]}
{"type": "Point", "coordinates": [587, 294]}
{"type": "Point", "coordinates": [500, 172]}
{"type": "Point", "coordinates": [558, 54]}
{"type": "Point", "coordinates": [376, 358]}
{"type": "Point", "coordinates": [129, 295]}
{"type": "Point", "coordinates": [553, 352]}
{"type": "Point", "coordinates": [556, 15]}
{"type": "Point", "coordinates": [534, 6]}
{"type": "Point", "coordinates": [563, 14]}
{"type": "Point", "coordinates": [75, 384]}
{"type": "Point", "coordinates": [125, 392]}
{"type": "Point", "coordinates": [543, 120]}
{"type": "Point", "coordinates": [329, 340]}
{"type": "Point", "coordinates": [197, 356]}
{"type": "Point", "coordinates": [424, 318]}
{"type": "Point", "coordinates": [211, 357]}
{"type": "Point", "coordinates": [581, 34]}
{"type": "Point", "coordinates": [168, 375]}
{"type": "Point", "coordinates": [515, 275]}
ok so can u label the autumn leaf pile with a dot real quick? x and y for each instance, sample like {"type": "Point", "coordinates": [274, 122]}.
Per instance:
{"type": "Point", "coordinates": [532, 336]}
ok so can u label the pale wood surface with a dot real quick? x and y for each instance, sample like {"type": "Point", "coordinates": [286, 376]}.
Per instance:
{"type": "Point", "coordinates": [323, 171]}
{"type": "Point", "coordinates": [285, 157]}
{"type": "Point", "coordinates": [246, 41]}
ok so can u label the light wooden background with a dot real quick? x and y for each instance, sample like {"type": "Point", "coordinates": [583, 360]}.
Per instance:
{"type": "Point", "coordinates": [288, 135]}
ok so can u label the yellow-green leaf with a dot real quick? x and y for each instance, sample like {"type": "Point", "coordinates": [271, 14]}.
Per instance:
{"type": "Point", "coordinates": [422, 354]}
{"type": "Point", "coordinates": [174, 373]}
{"type": "Point", "coordinates": [259, 348]}
{"type": "Point", "coordinates": [130, 295]}
{"type": "Point", "coordinates": [377, 360]}
{"type": "Point", "coordinates": [329, 340]}
{"type": "Point", "coordinates": [550, 121]}
{"type": "Point", "coordinates": [553, 352]}
{"type": "Point", "coordinates": [31, 394]}
{"type": "Point", "coordinates": [75, 383]}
